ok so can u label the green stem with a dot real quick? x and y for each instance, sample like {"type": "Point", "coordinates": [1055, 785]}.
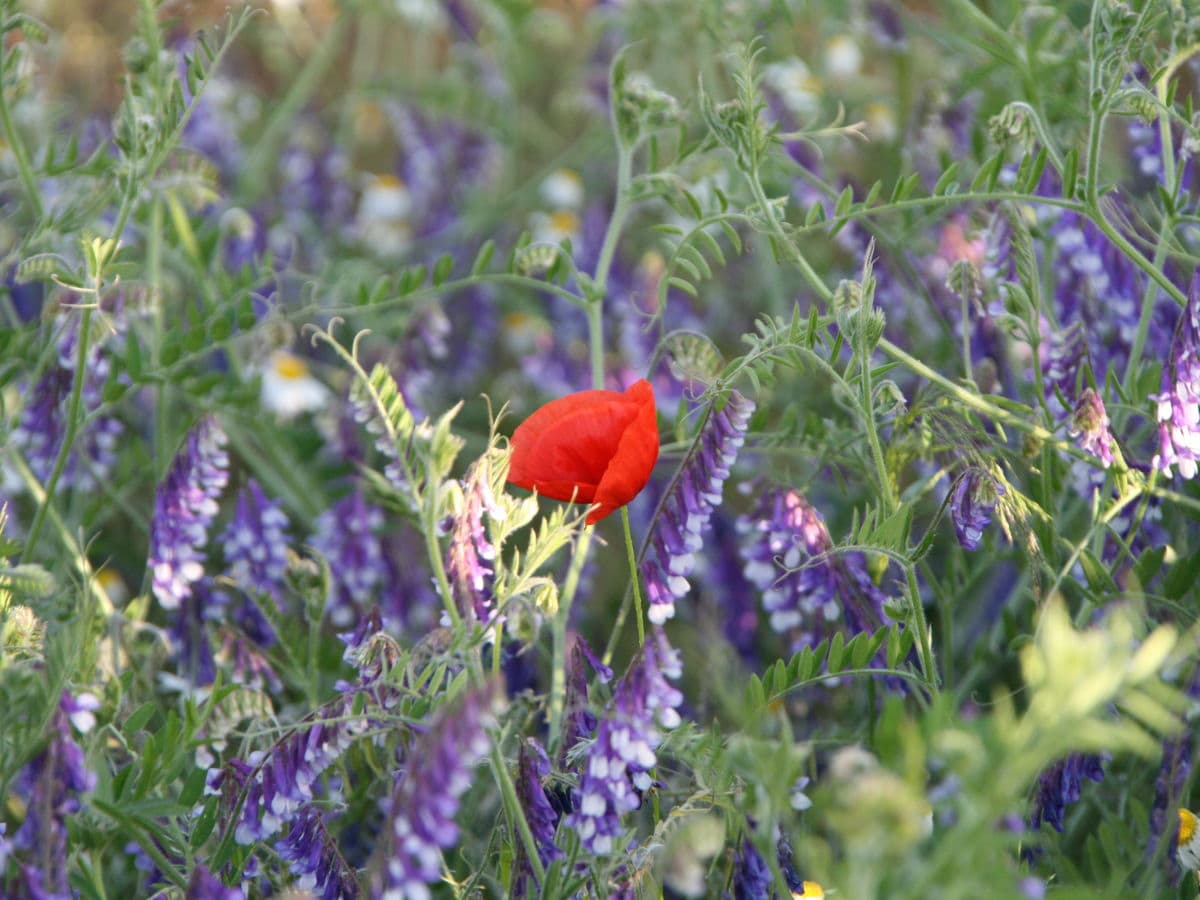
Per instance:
{"type": "Point", "coordinates": [17, 145]}
{"type": "Point", "coordinates": [64, 450]}
{"type": "Point", "coordinates": [633, 575]}
{"type": "Point", "coordinates": [558, 671]}
{"type": "Point", "coordinates": [515, 812]}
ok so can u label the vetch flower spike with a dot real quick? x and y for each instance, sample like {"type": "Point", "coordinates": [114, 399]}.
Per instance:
{"type": "Point", "coordinates": [1178, 410]}
{"type": "Point", "coordinates": [595, 447]}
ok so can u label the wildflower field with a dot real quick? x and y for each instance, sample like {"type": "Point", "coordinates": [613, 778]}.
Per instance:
{"type": "Point", "coordinates": [579, 449]}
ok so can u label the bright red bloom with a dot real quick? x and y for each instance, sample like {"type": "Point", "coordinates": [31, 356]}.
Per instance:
{"type": "Point", "coordinates": [591, 447]}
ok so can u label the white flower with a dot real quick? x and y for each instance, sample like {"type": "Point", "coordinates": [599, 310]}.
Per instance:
{"type": "Point", "coordinates": [288, 389]}
{"type": "Point", "coordinates": [843, 57]}
{"type": "Point", "coordinates": [562, 189]}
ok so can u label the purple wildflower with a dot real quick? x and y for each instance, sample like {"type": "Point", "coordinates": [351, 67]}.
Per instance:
{"type": "Point", "coordinates": [247, 665]}
{"type": "Point", "coordinates": [278, 782]}
{"type": "Point", "coordinates": [346, 535]}
{"type": "Point", "coordinates": [189, 634]}
{"type": "Point", "coordinates": [1060, 785]}
{"type": "Point", "coordinates": [972, 501]}
{"type": "Point", "coordinates": [203, 885]}
{"type": "Point", "coordinates": [621, 758]}
{"type": "Point", "coordinates": [580, 720]}
{"type": "Point", "coordinates": [1098, 287]}
{"type": "Point", "coordinates": [1090, 425]}
{"type": "Point", "coordinates": [425, 800]}
{"type": "Point", "coordinates": [42, 426]}
{"type": "Point", "coordinates": [532, 767]}
{"type": "Point", "coordinates": [184, 508]}
{"type": "Point", "coordinates": [313, 855]}
{"type": "Point", "coordinates": [685, 511]}
{"type": "Point", "coordinates": [255, 545]}
{"type": "Point", "coordinates": [470, 550]}
{"type": "Point", "coordinates": [1179, 401]}
{"type": "Point", "coordinates": [52, 783]}
{"type": "Point", "coordinates": [806, 586]}
{"type": "Point", "coordinates": [751, 874]}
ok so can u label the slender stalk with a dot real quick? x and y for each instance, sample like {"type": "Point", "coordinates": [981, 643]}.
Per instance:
{"type": "Point", "coordinates": [558, 670]}
{"type": "Point", "coordinates": [68, 442]}
{"type": "Point", "coordinates": [633, 576]}
{"type": "Point", "coordinates": [17, 145]}
{"type": "Point", "coordinates": [513, 804]}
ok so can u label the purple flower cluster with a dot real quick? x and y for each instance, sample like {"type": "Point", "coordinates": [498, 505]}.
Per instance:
{"type": "Point", "coordinates": [580, 721]}
{"type": "Point", "coordinates": [470, 550]}
{"type": "Point", "coordinates": [425, 801]}
{"type": "Point", "coordinates": [534, 765]}
{"type": "Point", "coordinates": [806, 587]}
{"type": "Point", "coordinates": [1090, 424]}
{"type": "Point", "coordinates": [313, 855]}
{"type": "Point", "coordinates": [685, 512]}
{"type": "Point", "coordinates": [973, 499]}
{"type": "Point", "coordinates": [751, 874]}
{"type": "Point", "coordinates": [623, 754]}
{"type": "Point", "coordinates": [184, 507]}
{"type": "Point", "coordinates": [278, 782]}
{"type": "Point", "coordinates": [256, 543]}
{"type": "Point", "coordinates": [346, 535]}
{"type": "Point", "coordinates": [203, 885]}
{"type": "Point", "coordinates": [255, 546]}
{"type": "Point", "coordinates": [52, 785]}
{"type": "Point", "coordinates": [42, 426]}
{"type": "Point", "coordinates": [1060, 786]}
{"type": "Point", "coordinates": [1178, 411]}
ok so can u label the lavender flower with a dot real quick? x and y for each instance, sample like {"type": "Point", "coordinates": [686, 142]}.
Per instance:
{"type": "Point", "coordinates": [470, 550]}
{"type": "Point", "coordinates": [806, 587]}
{"type": "Point", "coordinates": [278, 782]}
{"type": "Point", "coordinates": [751, 874]}
{"type": "Point", "coordinates": [620, 759]}
{"type": "Point", "coordinates": [1179, 401]}
{"type": "Point", "coordinates": [423, 805]}
{"type": "Point", "coordinates": [1060, 786]}
{"type": "Point", "coordinates": [685, 512]}
{"type": "Point", "coordinates": [255, 545]}
{"type": "Point", "coordinates": [313, 855]}
{"type": "Point", "coordinates": [972, 501]}
{"type": "Point", "coordinates": [580, 721]}
{"type": "Point", "coordinates": [42, 426]}
{"type": "Point", "coordinates": [1090, 425]}
{"type": "Point", "coordinates": [532, 767]}
{"type": "Point", "coordinates": [184, 508]}
{"type": "Point", "coordinates": [346, 537]}
{"type": "Point", "coordinates": [52, 783]}
{"type": "Point", "coordinates": [203, 885]}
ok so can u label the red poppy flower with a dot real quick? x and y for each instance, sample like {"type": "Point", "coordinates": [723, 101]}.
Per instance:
{"type": "Point", "coordinates": [594, 447]}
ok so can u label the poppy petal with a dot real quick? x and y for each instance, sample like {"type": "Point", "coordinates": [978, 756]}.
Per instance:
{"type": "Point", "coordinates": [528, 463]}
{"type": "Point", "coordinates": [589, 447]}
{"type": "Point", "coordinates": [630, 467]}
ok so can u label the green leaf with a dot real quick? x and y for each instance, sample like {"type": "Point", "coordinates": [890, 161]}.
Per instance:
{"type": "Point", "coordinates": [837, 649]}
{"type": "Point", "coordinates": [947, 179]}
{"type": "Point", "coordinates": [1182, 577]}
{"type": "Point", "coordinates": [483, 257]}
{"type": "Point", "coordinates": [193, 788]}
{"type": "Point", "coordinates": [138, 719]}
{"type": "Point", "coordinates": [441, 269]}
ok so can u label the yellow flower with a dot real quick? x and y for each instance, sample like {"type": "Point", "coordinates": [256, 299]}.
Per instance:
{"type": "Point", "coordinates": [1187, 844]}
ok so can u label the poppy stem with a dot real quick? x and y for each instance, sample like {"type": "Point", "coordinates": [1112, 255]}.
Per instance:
{"type": "Point", "coordinates": [633, 575]}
